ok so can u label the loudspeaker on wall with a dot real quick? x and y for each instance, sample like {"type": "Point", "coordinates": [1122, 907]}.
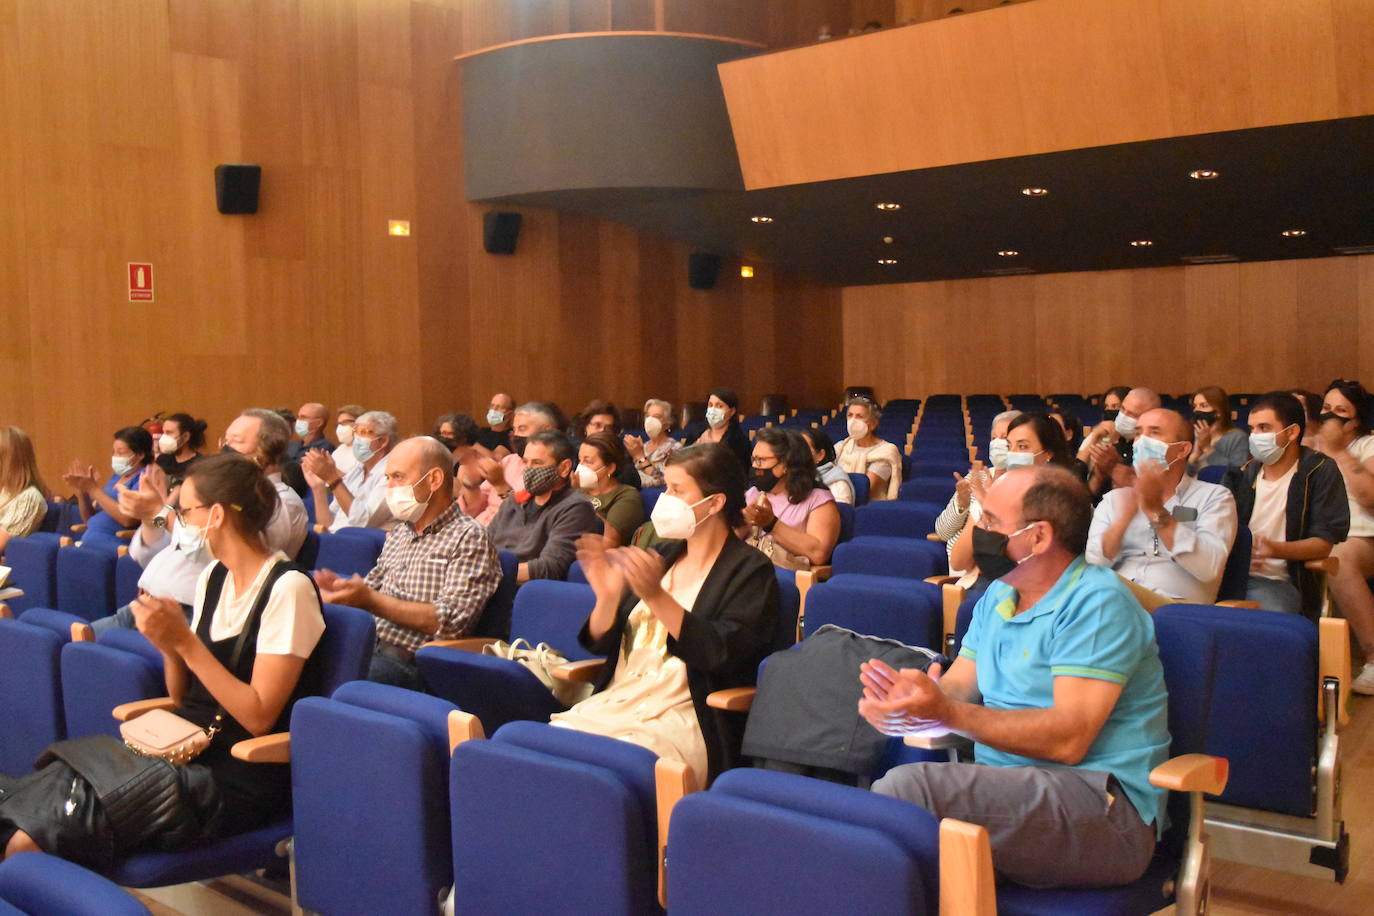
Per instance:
{"type": "Point", "coordinates": [702, 270]}
{"type": "Point", "coordinates": [236, 188]}
{"type": "Point", "coordinates": [500, 230]}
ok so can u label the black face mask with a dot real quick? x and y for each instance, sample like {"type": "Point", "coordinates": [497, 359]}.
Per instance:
{"type": "Point", "coordinates": [230, 450]}
{"type": "Point", "coordinates": [990, 553]}
{"type": "Point", "coordinates": [1110, 414]}
{"type": "Point", "coordinates": [764, 479]}
{"type": "Point", "coordinates": [448, 443]}
{"type": "Point", "coordinates": [1324, 417]}
{"type": "Point", "coordinates": [1204, 416]}
{"type": "Point", "coordinates": [517, 444]}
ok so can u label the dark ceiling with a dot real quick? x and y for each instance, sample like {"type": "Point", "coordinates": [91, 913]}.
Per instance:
{"type": "Point", "coordinates": [953, 220]}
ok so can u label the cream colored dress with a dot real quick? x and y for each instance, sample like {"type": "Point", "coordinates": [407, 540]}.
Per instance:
{"type": "Point", "coordinates": [648, 701]}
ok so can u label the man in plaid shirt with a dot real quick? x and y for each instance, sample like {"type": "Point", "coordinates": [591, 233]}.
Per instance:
{"type": "Point", "coordinates": [436, 571]}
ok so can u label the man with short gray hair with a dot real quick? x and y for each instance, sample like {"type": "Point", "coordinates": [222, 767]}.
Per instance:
{"type": "Point", "coordinates": [356, 499]}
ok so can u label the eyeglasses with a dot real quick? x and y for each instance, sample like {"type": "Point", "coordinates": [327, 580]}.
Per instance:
{"type": "Point", "coordinates": [182, 510]}
{"type": "Point", "coordinates": [755, 463]}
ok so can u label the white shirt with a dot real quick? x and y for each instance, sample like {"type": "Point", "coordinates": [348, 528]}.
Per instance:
{"type": "Point", "coordinates": [1192, 570]}
{"type": "Point", "coordinates": [286, 529]}
{"type": "Point", "coordinates": [1269, 519]}
{"type": "Point", "coordinates": [344, 459]}
{"type": "Point", "coordinates": [1361, 520]}
{"type": "Point", "coordinates": [369, 509]}
{"type": "Point", "coordinates": [292, 621]}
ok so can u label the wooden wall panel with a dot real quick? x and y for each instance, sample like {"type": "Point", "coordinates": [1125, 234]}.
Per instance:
{"type": "Point", "coordinates": [1246, 327]}
{"type": "Point", "coordinates": [1044, 76]}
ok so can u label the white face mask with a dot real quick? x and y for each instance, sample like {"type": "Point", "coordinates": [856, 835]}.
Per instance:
{"type": "Point", "coordinates": [403, 504]}
{"type": "Point", "coordinates": [715, 416]}
{"type": "Point", "coordinates": [653, 426]}
{"type": "Point", "coordinates": [586, 477]}
{"type": "Point", "coordinates": [362, 448]}
{"type": "Point", "coordinates": [1020, 459]}
{"type": "Point", "coordinates": [344, 434]}
{"type": "Point", "coordinates": [495, 417]}
{"type": "Point", "coordinates": [998, 450]}
{"type": "Point", "coordinates": [673, 518]}
{"type": "Point", "coordinates": [302, 428]}
{"type": "Point", "coordinates": [1125, 425]}
{"type": "Point", "coordinates": [194, 544]}
{"type": "Point", "coordinates": [167, 444]}
{"type": "Point", "coordinates": [856, 428]}
{"type": "Point", "coordinates": [121, 465]}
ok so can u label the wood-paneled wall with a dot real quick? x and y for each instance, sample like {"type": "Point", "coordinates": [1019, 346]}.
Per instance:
{"type": "Point", "coordinates": [115, 113]}
{"type": "Point", "coordinates": [1245, 327]}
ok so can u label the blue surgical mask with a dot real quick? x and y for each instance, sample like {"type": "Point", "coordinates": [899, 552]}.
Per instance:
{"type": "Point", "coordinates": [1125, 425]}
{"type": "Point", "coordinates": [1148, 450]}
{"type": "Point", "coordinates": [1019, 460]}
{"type": "Point", "coordinates": [362, 448]}
{"type": "Point", "coordinates": [1265, 447]}
{"type": "Point", "coordinates": [495, 417]}
{"type": "Point", "coordinates": [121, 465]}
{"type": "Point", "coordinates": [715, 416]}
{"type": "Point", "coordinates": [302, 428]}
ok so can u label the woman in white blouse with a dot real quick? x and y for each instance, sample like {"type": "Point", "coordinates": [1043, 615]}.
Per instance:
{"type": "Point", "coordinates": [23, 495]}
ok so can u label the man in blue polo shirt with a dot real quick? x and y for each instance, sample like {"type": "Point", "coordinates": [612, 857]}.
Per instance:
{"type": "Point", "coordinates": [1059, 685]}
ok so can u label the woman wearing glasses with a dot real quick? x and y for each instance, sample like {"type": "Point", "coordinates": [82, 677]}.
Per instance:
{"type": "Point", "coordinates": [791, 516]}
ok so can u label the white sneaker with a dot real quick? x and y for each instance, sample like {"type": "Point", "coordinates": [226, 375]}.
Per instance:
{"type": "Point", "coordinates": [1364, 681]}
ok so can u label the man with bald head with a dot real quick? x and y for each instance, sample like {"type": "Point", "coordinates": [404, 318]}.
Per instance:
{"type": "Point", "coordinates": [1107, 449]}
{"type": "Point", "coordinates": [309, 433]}
{"type": "Point", "coordinates": [1166, 531]}
{"type": "Point", "coordinates": [436, 571]}
{"type": "Point", "coordinates": [496, 435]}
{"type": "Point", "coordinates": [1059, 683]}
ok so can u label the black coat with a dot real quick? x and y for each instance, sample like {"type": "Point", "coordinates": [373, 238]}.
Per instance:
{"type": "Point", "coordinates": [725, 635]}
{"type": "Point", "coordinates": [1317, 508]}
{"type": "Point", "coordinates": [735, 439]}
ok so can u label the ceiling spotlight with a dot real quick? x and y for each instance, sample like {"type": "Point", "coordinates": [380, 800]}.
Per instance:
{"type": "Point", "coordinates": [887, 240]}
{"type": "Point", "coordinates": [746, 271]}
{"type": "Point", "coordinates": [1293, 233]}
{"type": "Point", "coordinates": [761, 219]}
{"type": "Point", "coordinates": [1203, 174]}
{"type": "Point", "coordinates": [1035, 192]}
{"type": "Point", "coordinates": [1008, 253]}
{"type": "Point", "coordinates": [887, 261]}
{"type": "Point", "coordinates": [1141, 243]}
{"type": "Point", "coordinates": [888, 205]}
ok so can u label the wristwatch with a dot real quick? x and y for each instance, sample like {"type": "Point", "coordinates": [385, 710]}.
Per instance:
{"type": "Point", "coordinates": [160, 520]}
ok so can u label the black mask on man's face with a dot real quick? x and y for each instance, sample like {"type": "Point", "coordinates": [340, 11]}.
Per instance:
{"type": "Point", "coordinates": [990, 553]}
{"type": "Point", "coordinates": [517, 444]}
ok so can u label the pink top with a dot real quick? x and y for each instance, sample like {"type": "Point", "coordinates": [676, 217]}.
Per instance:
{"type": "Point", "coordinates": [794, 515]}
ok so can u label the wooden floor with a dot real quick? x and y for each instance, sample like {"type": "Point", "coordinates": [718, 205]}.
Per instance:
{"type": "Point", "coordinates": [1235, 888]}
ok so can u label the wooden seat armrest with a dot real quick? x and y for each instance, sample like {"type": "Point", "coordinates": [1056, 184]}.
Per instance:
{"type": "Point", "coordinates": [1333, 660]}
{"type": "Point", "coordinates": [463, 726]}
{"type": "Point", "coordinates": [126, 711]}
{"type": "Point", "coordinates": [732, 699]}
{"type": "Point", "coordinates": [126, 534]}
{"type": "Point", "coordinates": [941, 580]}
{"type": "Point", "coordinates": [806, 578]}
{"type": "Point", "coordinates": [65, 541]}
{"type": "Point", "coordinates": [933, 537]}
{"type": "Point", "coordinates": [1328, 565]}
{"type": "Point", "coordinates": [319, 528]}
{"type": "Point", "coordinates": [946, 742]}
{"type": "Point", "coordinates": [581, 672]}
{"type": "Point", "coordinates": [968, 886]}
{"type": "Point", "coordinates": [78, 529]}
{"type": "Point", "coordinates": [951, 597]}
{"type": "Point", "coordinates": [5, 612]}
{"type": "Point", "coordinates": [673, 780]}
{"type": "Point", "coordinates": [1192, 773]}
{"type": "Point", "coordinates": [82, 632]}
{"type": "Point", "coordinates": [122, 550]}
{"type": "Point", "coordinates": [273, 748]}
{"type": "Point", "coordinates": [467, 644]}
{"type": "Point", "coordinates": [1235, 602]}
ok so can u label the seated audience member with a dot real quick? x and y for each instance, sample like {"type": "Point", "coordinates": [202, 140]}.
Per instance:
{"type": "Point", "coordinates": [1312, 405]}
{"type": "Point", "coordinates": [1032, 439]}
{"type": "Point", "coordinates": [23, 495]}
{"type": "Point", "coordinates": [1344, 437]}
{"type": "Point", "coordinates": [173, 556]}
{"type": "Point", "coordinates": [650, 457]}
{"type": "Point", "coordinates": [436, 571]}
{"type": "Point", "coordinates": [458, 433]}
{"type": "Point", "coordinates": [479, 486]}
{"type": "Point", "coordinates": [1073, 436]}
{"type": "Point", "coordinates": [528, 419]}
{"type": "Point", "coordinates": [343, 431]}
{"type": "Point", "coordinates": [356, 499]}
{"type": "Point", "coordinates": [1068, 729]}
{"type": "Point", "coordinates": [1107, 449]}
{"type": "Point", "coordinates": [182, 438]}
{"type": "Point", "coordinates": [823, 454]}
{"type": "Point", "coordinates": [226, 501]}
{"type": "Point", "coordinates": [131, 453]}
{"type": "Point", "coordinates": [1218, 440]}
{"type": "Point", "coordinates": [677, 625]}
{"type": "Point", "coordinates": [964, 507]}
{"type": "Point", "coordinates": [496, 436]}
{"type": "Point", "coordinates": [541, 523]}
{"type": "Point", "coordinates": [788, 513]}
{"type": "Point", "coordinates": [1295, 503]}
{"type": "Point", "coordinates": [599, 460]}
{"type": "Point", "coordinates": [1112, 399]}
{"type": "Point", "coordinates": [1167, 532]}
{"type": "Point", "coordinates": [309, 429]}
{"type": "Point", "coordinates": [602, 416]}
{"type": "Point", "coordinates": [864, 453]}
{"type": "Point", "coordinates": [722, 425]}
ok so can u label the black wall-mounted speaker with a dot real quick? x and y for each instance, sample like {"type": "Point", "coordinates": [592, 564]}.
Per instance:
{"type": "Point", "coordinates": [236, 188]}
{"type": "Point", "coordinates": [702, 270]}
{"type": "Point", "coordinates": [500, 231]}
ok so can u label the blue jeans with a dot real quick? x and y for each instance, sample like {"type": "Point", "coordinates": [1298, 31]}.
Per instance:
{"type": "Point", "coordinates": [387, 670]}
{"type": "Point", "coordinates": [1274, 595]}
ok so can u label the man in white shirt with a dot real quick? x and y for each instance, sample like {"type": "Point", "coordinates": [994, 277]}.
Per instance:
{"type": "Point", "coordinates": [1168, 532]}
{"type": "Point", "coordinates": [356, 499]}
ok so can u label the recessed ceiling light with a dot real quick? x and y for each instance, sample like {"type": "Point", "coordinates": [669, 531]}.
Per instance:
{"type": "Point", "coordinates": [1035, 192]}
{"type": "Point", "coordinates": [887, 240]}
{"type": "Point", "coordinates": [1141, 243]}
{"type": "Point", "coordinates": [1294, 233]}
{"type": "Point", "coordinates": [887, 261]}
{"type": "Point", "coordinates": [1008, 253]}
{"type": "Point", "coordinates": [746, 271]}
{"type": "Point", "coordinates": [887, 205]}
{"type": "Point", "coordinates": [1203, 174]}
{"type": "Point", "coordinates": [761, 219]}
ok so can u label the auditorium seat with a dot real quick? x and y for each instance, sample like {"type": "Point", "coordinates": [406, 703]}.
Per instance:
{"type": "Point", "coordinates": [861, 489]}
{"type": "Point", "coordinates": [121, 666]}
{"type": "Point", "coordinates": [31, 714]}
{"type": "Point", "coordinates": [897, 518]}
{"type": "Point", "coordinates": [901, 609]}
{"type": "Point", "coordinates": [33, 570]}
{"type": "Point", "coordinates": [37, 884]}
{"type": "Point", "coordinates": [495, 619]}
{"type": "Point", "coordinates": [347, 552]}
{"type": "Point", "coordinates": [86, 580]}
